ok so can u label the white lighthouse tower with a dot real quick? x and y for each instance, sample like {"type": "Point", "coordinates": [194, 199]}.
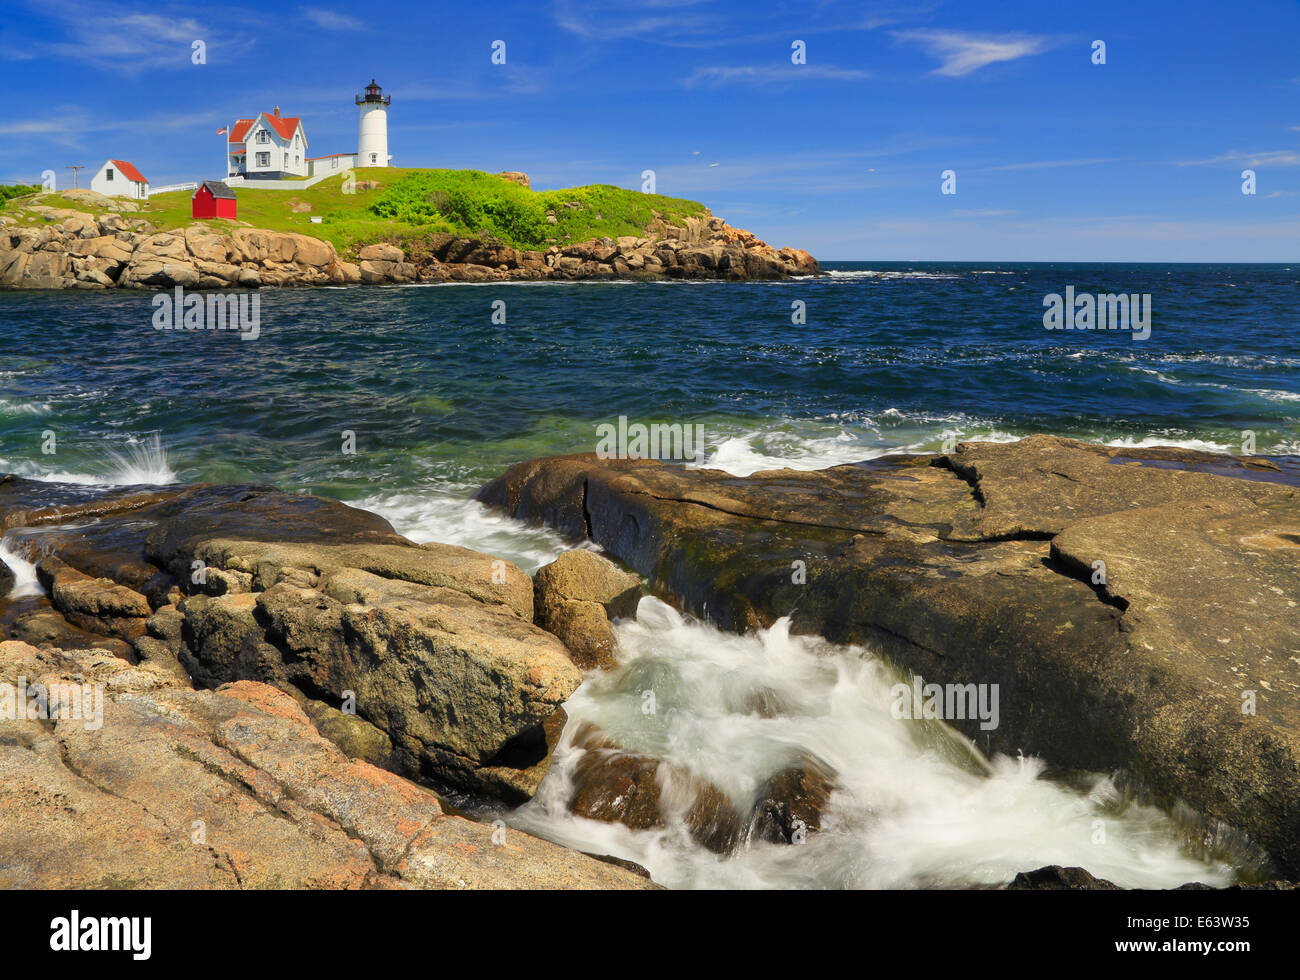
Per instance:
{"type": "Point", "coordinates": [372, 141]}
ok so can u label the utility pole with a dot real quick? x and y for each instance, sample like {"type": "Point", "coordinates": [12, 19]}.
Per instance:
{"type": "Point", "coordinates": [74, 174]}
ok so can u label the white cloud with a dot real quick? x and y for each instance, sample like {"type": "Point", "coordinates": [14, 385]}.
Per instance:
{"type": "Point", "coordinates": [771, 75]}
{"type": "Point", "coordinates": [962, 54]}
{"type": "Point", "coordinates": [116, 36]}
{"type": "Point", "coordinates": [704, 24]}
{"type": "Point", "coordinates": [1267, 158]}
{"type": "Point", "coordinates": [330, 21]}
{"type": "Point", "coordinates": [1049, 164]}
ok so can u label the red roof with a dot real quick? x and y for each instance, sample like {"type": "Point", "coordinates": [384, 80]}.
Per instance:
{"type": "Point", "coordinates": [284, 125]}
{"type": "Point", "coordinates": [328, 155]}
{"type": "Point", "coordinates": [128, 171]}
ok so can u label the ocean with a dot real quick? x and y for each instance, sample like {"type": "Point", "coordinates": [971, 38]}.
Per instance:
{"type": "Point", "coordinates": [405, 399]}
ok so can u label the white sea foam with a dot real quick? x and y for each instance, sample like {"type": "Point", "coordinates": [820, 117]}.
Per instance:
{"type": "Point", "coordinates": [745, 454]}
{"type": "Point", "coordinates": [447, 516]}
{"type": "Point", "coordinates": [815, 446]}
{"type": "Point", "coordinates": [9, 406]}
{"type": "Point", "coordinates": [1273, 395]}
{"type": "Point", "coordinates": [852, 274]}
{"type": "Point", "coordinates": [1152, 442]}
{"type": "Point", "coordinates": [915, 806]}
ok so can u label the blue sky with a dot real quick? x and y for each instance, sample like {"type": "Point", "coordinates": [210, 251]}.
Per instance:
{"type": "Point", "coordinates": [1056, 158]}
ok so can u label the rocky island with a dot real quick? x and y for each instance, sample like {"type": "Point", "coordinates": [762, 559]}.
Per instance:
{"type": "Point", "coordinates": [415, 226]}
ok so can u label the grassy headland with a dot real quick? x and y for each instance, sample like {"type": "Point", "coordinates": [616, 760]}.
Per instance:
{"type": "Point", "coordinates": [404, 205]}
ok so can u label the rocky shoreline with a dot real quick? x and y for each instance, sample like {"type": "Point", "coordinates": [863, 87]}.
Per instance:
{"type": "Point", "coordinates": [1138, 609]}
{"type": "Point", "coordinates": [72, 249]}
{"type": "Point", "coordinates": [296, 696]}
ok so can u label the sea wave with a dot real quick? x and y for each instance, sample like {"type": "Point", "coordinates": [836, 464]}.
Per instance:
{"type": "Point", "coordinates": [447, 515]}
{"type": "Point", "coordinates": [11, 407]}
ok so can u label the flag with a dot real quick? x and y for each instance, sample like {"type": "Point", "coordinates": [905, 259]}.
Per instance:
{"type": "Point", "coordinates": [221, 131]}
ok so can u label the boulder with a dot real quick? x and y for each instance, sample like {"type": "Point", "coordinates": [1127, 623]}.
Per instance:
{"type": "Point", "coordinates": [575, 597]}
{"type": "Point", "coordinates": [99, 605]}
{"type": "Point", "coordinates": [1056, 878]}
{"type": "Point", "coordinates": [643, 792]}
{"type": "Point", "coordinates": [516, 177]}
{"type": "Point", "coordinates": [790, 804]}
{"type": "Point", "coordinates": [382, 252]}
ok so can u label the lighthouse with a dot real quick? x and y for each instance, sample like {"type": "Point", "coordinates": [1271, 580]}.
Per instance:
{"type": "Point", "coordinates": [372, 140]}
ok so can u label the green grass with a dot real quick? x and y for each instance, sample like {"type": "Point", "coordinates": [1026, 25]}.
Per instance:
{"type": "Point", "coordinates": [9, 191]}
{"type": "Point", "coordinates": [470, 202]}
{"type": "Point", "coordinates": [408, 205]}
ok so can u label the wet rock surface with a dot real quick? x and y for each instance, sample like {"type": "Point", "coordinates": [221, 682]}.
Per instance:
{"type": "Point", "coordinates": [1139, 610]}
{"type": "Point", "coordinates": [644, 792]}
{"type": "Point", "coordinates": [1055, 878]}
{"type": "Point", "coordinates": [791, 802]}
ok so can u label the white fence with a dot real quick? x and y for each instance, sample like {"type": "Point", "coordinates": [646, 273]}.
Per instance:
{"type": "Point", "coordinates": [166, 188]}
{"type": "Point", "coordinates": [279, 185]}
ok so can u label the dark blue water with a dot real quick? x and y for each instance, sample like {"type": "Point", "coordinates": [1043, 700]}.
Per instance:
{"type": "Point", "coordinates": [440, 398]}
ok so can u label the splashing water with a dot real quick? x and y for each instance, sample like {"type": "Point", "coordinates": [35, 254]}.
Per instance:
{"type": "Point", "coordinates": [915, 805]}
{"type": "Point", "coordinates": [25, 583]}
{"type": "Point", "coordinates": [447, 517]}
{"type": "Point", "coordinates": [144, 463]}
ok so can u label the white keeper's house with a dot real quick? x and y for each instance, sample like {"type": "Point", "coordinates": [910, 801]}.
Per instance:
{"type": "Point", "coordinates": [269, 147]}
{"type": "Point", "coordinates": [118, 178]}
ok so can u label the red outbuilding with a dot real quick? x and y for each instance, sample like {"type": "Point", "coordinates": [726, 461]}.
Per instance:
{"type": "Point", "coordinates": [213, 199]}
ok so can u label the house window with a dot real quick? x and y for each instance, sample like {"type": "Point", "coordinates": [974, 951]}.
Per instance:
{"type": "Point", "coordinates": [264, 159]}
{"type": "Point", "coordinates": [263, 136]}
{"type": "Point", "coordinates": [334, 163]}
{"type": "Point", "coordinates": [297, 161]}
{"type": "Point", "coordinates": [108, 175]}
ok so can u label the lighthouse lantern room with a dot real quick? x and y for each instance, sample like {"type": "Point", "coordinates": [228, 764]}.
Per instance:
{"type": "Point", "coordinates": [372, 141]}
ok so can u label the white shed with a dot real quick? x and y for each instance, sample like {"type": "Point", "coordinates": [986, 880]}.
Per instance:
{"type": "Point", "coordinates": [118, 178]}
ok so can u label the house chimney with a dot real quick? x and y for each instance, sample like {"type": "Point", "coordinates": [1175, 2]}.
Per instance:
{"type": "Point", "coordinates": [277, 112]}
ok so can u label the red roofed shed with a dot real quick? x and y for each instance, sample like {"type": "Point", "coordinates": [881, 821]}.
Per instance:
{"type": "Point", "coordinates": [213, 199]}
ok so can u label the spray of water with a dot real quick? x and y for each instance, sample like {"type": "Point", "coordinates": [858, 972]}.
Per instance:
{"type": "Point", "coordinates": [13, 555]}
{"type": "Point", "coordinates": [915, 804]}
{"type": "Point", "coordinates": [446, 516]}
{"type": "Point", "coordinates": [144, 463]}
